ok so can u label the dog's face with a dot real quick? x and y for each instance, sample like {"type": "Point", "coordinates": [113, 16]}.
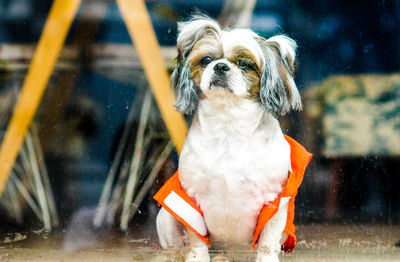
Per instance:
{"type": "Point", "coordinates": [233, 64]}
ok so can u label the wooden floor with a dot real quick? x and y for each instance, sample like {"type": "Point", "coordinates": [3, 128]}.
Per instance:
{"type": "Point", "coordinates": [315, 243]}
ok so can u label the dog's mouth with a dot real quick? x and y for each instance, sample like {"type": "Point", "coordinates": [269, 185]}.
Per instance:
{"type": "Point", "coordinates": [219, 83]}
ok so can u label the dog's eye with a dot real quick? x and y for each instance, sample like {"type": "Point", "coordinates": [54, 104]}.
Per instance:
{"type": "Point", "coordinates": [205, 60]}
{"type": "Point", "coordinates": [242, 64]}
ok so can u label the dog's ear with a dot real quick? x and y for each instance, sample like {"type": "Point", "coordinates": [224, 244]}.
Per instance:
{"type": "Point", "coordinates": [190, 32]}
{"type": "Point", "coordinates": [187, 94]}
{"type": "Point", "coordinates": [278, 91]}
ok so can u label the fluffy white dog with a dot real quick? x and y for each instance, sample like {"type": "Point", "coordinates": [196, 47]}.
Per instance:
{"type": "Point", "coordinates": [235, 159]}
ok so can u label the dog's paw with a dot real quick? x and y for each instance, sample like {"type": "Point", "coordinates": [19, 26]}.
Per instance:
{"type": "Point", "coordinates": [267, 258]}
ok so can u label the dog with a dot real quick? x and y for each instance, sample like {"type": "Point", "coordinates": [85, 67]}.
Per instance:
{"type": "Point", "coordinates": [235, 159]}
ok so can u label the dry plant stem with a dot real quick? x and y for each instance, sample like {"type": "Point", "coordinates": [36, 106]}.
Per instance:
{"type": "Point", "coordinates": [150, 179]}
{"type": "Point", "coordinates": [45, 176]}
{"type": "Point", "coordinates": [136, 160]}
{"type": "Point", "coordinates": [41, 194]}
{"type": "Point", "coordinates": [115, 201]}
{"type": "Point", "coordinates": [26, 170]}
{"type": "Point", "coordinates": [28, 198]}
{"type": "Point", "coordinates": [20, 172]}
{"type": "Point", "coordinates": [34, 173]}
{"type": "Point", "coordinates": [5, 108]}
{"type": "Point", "coordinates": [10, 201]}
{"type": "Point", "coordinates": [16, 206]}
{"type": "Point", "coordinates": [6, 201]}
{"type": "Point", "coordinates": [116, 197]}
{"type": "Point", "coordinates": [105, 195]}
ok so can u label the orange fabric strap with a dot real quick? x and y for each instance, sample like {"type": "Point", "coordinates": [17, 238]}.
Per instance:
{"type": "Point", "coordinates": [173, 186]}
{"type": "Point", "coordinates": [299, 158]}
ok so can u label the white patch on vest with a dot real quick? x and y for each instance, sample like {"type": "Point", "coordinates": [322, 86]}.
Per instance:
{"type": "Point", "coordinates": [185, 211]}
{"type": "Point", "coordinates": [284, 201]}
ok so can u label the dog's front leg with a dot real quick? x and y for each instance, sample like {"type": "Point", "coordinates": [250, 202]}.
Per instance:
{"type": "Point", "coordinates": [198, 249]}
{"type": "Point", "coordinates": [269, 244]}
{"type": "Point", "coordinates": [169, 230]}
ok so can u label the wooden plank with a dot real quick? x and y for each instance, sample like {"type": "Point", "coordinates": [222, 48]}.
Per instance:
{"type": "Point", "coordinates": [139, 26]}
{"type": "Point", "coordinates": [51, 41]}
{"type": "Point", "coordinates": [16, 57]}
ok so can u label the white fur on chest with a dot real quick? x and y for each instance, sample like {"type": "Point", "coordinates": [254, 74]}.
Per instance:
{"type": "Point", "coordinates": [233, 162]}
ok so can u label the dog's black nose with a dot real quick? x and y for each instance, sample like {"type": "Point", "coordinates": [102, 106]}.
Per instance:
{"type": "Point", "coordinates": [221, 68]}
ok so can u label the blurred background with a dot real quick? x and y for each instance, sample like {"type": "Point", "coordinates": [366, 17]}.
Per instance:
{"type": "Point", "coordinates": [86, 133]}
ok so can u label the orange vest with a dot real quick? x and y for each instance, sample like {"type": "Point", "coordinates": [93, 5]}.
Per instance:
{"type": "Point", "coordinates": [184, 208]}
